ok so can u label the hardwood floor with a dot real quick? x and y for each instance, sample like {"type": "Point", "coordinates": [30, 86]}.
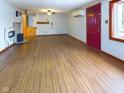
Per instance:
{"type": "Point", "coordinates": [59, 64]}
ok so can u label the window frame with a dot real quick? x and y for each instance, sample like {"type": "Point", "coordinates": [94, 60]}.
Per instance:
{"type": "Point", "coordinates": [111, 6]}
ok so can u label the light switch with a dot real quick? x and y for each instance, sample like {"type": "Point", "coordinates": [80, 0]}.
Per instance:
{"type": "Point", "coordinates": [106, 21]}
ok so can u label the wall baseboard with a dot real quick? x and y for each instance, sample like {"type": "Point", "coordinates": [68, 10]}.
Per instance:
{"type": "Point", "coordinates": [75, 39]}
{"type": "Point", "coordinates": [6, 49]}
{"type": "Point", "coordinates": [96, 49]}
{"type": "Point", "coordinates": [112, 56]}
{"type": "Point", "coordinates": [50, 35]}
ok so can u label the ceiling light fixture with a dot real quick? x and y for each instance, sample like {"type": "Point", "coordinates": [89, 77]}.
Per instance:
{"type": "Point", "coordinates": [49, 12]}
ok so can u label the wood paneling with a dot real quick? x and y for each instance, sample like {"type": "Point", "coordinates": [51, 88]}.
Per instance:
{"type": "Point", "coordinates": [59, 64]}
{"type": "Point", "coordinates": [31, 32]}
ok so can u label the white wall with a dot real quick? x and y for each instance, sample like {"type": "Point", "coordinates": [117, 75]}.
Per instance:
{"type": "Point", "coordinates": [7, 17]}
{"type": "Point", "coordinates": [77, 29]}
{"type": "Point", "coordinates": [59, 24]}
{"type": "Point", "coordinates": [109, 46]}
{"type": "Point", "coordinates": [77, 25]}
{"type": "Point", "coordinates": [31, 20]}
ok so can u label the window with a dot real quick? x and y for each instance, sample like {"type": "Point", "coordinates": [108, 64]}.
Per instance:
{"type": "Point", "coordinates": [117, 20]}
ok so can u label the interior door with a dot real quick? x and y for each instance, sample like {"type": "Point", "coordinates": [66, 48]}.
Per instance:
{"type": "Point", "coordinates": [94, 26]}
{"type": "Point", "coordinates": [25, 25]}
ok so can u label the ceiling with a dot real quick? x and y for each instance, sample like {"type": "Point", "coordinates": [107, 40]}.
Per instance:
{"type": "Point", "coordinates": [56, 5]}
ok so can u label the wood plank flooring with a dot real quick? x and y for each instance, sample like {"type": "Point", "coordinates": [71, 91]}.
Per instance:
{"type": "Point", "coordinates": [59, 64]}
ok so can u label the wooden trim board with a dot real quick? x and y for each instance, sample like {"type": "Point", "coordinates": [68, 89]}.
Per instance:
{"type": "Point", "coordinates": [42, 22]}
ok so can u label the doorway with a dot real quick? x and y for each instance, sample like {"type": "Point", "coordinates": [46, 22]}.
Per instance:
{"type": "Point", "coordinates": [93, 15]}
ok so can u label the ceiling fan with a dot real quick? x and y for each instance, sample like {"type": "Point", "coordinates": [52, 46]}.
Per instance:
{"type": "Point", "coordinates": [22, 11]}
{"type": "Point", "coordinates": [50, 12]}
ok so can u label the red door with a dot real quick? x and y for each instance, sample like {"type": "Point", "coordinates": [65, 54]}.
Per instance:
{"type": "Point", "coordinates": [94, 26]}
